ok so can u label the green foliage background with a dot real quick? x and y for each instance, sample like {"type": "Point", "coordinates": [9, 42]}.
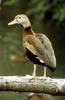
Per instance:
{"type": "Point", "coordinates": [46, 16]}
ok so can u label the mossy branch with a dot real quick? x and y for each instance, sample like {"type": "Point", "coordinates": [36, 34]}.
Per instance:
{"type": "Point", "coordinates": [27, 84]}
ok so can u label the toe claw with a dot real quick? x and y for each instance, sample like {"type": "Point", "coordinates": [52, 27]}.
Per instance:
{"type": "Point", "coordinates": [44, 78]}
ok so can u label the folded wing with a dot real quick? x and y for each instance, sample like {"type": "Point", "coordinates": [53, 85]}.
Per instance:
{"type": "Point", "coordinates": [40, 45]}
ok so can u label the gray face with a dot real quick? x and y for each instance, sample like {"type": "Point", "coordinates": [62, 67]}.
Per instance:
{"type": "Point", "coordinates": [20, 19]}
{"type": "Point", "coordinates": [23, 20]}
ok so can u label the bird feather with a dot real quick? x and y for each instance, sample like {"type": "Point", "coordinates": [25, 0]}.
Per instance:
{"type": "Point", "coordinates": [43, 48]}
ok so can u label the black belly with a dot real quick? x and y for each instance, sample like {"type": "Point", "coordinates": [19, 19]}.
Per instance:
{"type": "Point", "coordinates": [33, 58]}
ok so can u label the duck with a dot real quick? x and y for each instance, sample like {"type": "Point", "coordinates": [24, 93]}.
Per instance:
{"type": "Point", "coordinates": [37, 46]}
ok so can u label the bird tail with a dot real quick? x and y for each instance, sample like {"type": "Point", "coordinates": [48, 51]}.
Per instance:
{"type": "Point", "coordinates": [52, 68]}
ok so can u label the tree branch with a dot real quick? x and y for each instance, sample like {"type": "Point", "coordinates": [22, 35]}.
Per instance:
{"type": "Point", "coordinates": [25, 84]}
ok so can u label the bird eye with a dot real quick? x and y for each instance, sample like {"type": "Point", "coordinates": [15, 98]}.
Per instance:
{"type": "Point", "coordinates": [19, 17]}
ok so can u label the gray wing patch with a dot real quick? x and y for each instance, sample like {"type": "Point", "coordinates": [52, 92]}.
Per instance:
{"type": "Point", "coordinates": [44, 48]}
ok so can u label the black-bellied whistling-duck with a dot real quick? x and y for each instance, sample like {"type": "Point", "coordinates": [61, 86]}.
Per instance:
{"type": "Point", "coordinates": [38, 47]}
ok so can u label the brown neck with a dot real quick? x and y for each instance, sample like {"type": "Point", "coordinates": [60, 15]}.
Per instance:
{"type": "Point", "coordinates": [28, 31]}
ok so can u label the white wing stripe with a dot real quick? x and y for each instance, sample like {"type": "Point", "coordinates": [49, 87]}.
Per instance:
{"type": "Point", "coordinates": [40, 60]}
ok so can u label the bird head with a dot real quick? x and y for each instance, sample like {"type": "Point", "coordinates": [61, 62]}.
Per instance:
{"type": "Point", "coordinates": [21, 19]}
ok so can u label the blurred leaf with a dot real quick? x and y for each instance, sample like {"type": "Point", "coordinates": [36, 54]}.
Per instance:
{"type": "Point", "coordinates": [60, 13]}
{"type": "Point", "coordinates": [9, 2]}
